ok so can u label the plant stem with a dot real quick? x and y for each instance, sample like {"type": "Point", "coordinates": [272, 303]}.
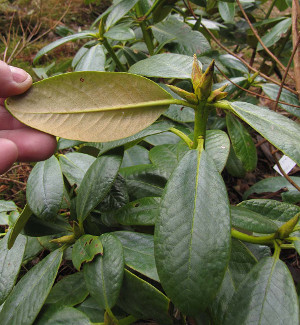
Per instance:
{"type": "Point", "coordinates": [113, 55]}
{"type": "Point", "coordinates": [277, 250]}
{"type": "Point", "coordinates": [270, 9]}
{"type": "Point", "coordinates": [201, 115]}
{"type": "Point", "coordinates": [154, 6]}
{"type": "Point", "coordinates": [264, 240]}
{"type": "Point", "coordinates": [183, 136]}
{"type": "Point", "coordinates": [127, 320]}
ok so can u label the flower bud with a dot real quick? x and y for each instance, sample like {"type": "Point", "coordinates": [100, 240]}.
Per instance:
{"type": "Point", "coordinates": [190, 97]}
{"type": "Point", "coordinates": [217, 94]}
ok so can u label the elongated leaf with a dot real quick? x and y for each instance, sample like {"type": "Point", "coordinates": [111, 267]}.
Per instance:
{"type": "Point", "coordinates": [279, 212]}
{"type": "Point", "coordinates": [282, 132]}
{"type": "Point", "coordinates": [97, 182]}
{"type": "Point", "coordinates": [227, 11]}
{"type": "Point", "coordinates": [74, 165]}
{"type": "Point", "coordinates": [231, 62]}
{"type": "Point", "coordinates": [274, 35]}
{"type": "Point", "coordinates": [6, 206]}
{"type": "Point", "coordinates": [187, 41]}
{"type": "Point", "coordinates": [85, 249]}
{"type": "Point", "coordinates": [166, 65]}
{"type": "Point", "coordinates": [139, 252]}
{"type": "Point", "coordinates": [251, 221]}
{"type": "Point", "coordinates": [45, 189]}
{"type": "Point", "coordinates": [242, 143]}
{"type": "Point", "coordinates": [10, 263]}
{"type": "Point", "coordinates": [120, 33]}
{"type": "Point", "coordinates": [266, 296]}
{"type": "Point", "coordinates": [142, 300]}
{"type": "Point", "coordinates": [118, 11]}
{"type": "Point", "coordinates": [28, 296]}
{"type": "Point", "coordinates": [92, 60]}
{"type": "Point", "coordinates": [58, 315]}
{"type": "Point", "coordinates": [136, 155]}
{"type": "Point", "coordinates": [91, 308]}
{"type": "Point", "coordinates": [69, 291]}
{"type": "Point", "coordinates": [91, 106]}
{"type": "Point", "coordinates": [104, 276]}
{"type": "Point", "coordinates": [53, 45]}
{"type": "Point", "coordinates": [19, 225]}
{"type": "Point", "coordinates": [185, 251]}
{"type": "Point", "coordinates": [272, 90]}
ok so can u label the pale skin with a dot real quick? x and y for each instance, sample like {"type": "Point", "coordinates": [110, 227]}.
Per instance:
{"type": "Point", "coordinates": [18, 142]}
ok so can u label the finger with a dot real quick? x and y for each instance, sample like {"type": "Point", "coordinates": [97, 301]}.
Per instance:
{"type": "Point", "coordinates": [13, 80]}
{"type": "Point", "coordinates": [8, 122]}
{"type": "Point", "coordinates": [8, 154]}
{"type": "Point", "coordinates": [32, 145]}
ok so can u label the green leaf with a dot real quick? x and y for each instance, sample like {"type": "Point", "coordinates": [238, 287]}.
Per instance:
{"type": "Point", "coordinates": [272, 90]}
{"type": "Point", "coordinates": [85, 249]}
{"type": "Point", "coordinates": [33, 249]}
{"type": "Point", "coordinates": [251, 221]}
{"type": "Point", "coordinates": [136, 155]}
{"type": "Point", "coordinates": [97, 182]}
{"type": "Point", "coordinates": [120, 33]}
{"type": "Point", "coordinates": [10, 263]}
{"type": "Point", "coordinates": [45, 189]}
{"type": "Point", "coordinates": [279, 212]}
{"type": "Point", "coordinates": [242, 143]}
{"type": "Point", "coordinates": [69, 291]}
{"type": "Point", "coordinates": [90, 105]}
{"type": "Point", "coordinates": [234, 166]}
{"type": "Point", "coordinates": [227, 11]}
{"type": "Point", "coordinates": [53, 45]}
{"type": "Point", "coordinates": [74, 165]}
{"type": "Point", "coordinates": [141, 212]}
{"type": "Point", "coordinates": [142, 300]}
{"type": "Point", "coordinates": [28, 296]}
{"type": "Point", "coordinates": [274, 35]}
{"type": "Point", "coordinates": [6, 206]}
{"type": "Point", "coordinates": [166, 65]}
{"type": "Point", "coordinates": [266, 296]}
{"type": "Point", "coordinates": [118, 11]}
{"type": "Point", "coordinates": [186, 40]}
{"type": "Point", "coordinates": [232, 62]}
{"type": "Point", "coordinates": [56, 315]}
{"type": "Point", "coordinates": [93, 59]}
{"type": "Point", "coordinates": [91, 308]}
{"type": "Point", "coordinates": [19, 225]}
{"type": "Point", "coordinates": [186, 266]}
{"type": "Point", "coordinates": [139, 252]}
{"type": "Point", "coordinates": [282, 132]}
{"type": "Point", "coordinates": [143, 181]}
{"type": "Point", "coordinates": [104, 275]}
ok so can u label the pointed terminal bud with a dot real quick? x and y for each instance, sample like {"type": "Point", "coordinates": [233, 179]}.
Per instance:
{"type": "Point", "coordinates": [196, 74]}
{"type": "Point", "coordinates": [217, 94]}
{"type": "Point", "coordinates": [190, 97]}
{"type": "Point", "coordinates": [203, 92]}
{"type": "Point", "coordinates": [285, 230]}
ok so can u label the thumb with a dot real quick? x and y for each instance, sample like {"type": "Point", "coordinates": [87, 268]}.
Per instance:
{"type": "Point", "coordinates": [13, 80]}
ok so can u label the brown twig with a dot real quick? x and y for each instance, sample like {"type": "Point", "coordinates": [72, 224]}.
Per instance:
{"type": "Point", "coordinates": [12, 180]}
{"type": "Point", "coordinates": [273, 57]}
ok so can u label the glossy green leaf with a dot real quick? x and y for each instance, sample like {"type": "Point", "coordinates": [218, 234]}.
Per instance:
{"type": "Point", "coordinates": [133, 55]}
{"type": "Point", "coordinates": [104, 275]}
{"type": "Point", "coordinates": [69, 291]}
{"type": "Point", "coordinates": [45, 189]}
{"type": "Point", "coordinates": [28, 296]}
{"type": "Point", "coordinates": [141, 212]}
{"type": "Point", "coordinates": [164, 138]}
{"type": "Point", "coordinates": [251, 221]}
{"type": "Point", "coordinates": [62, 315]}
{"type": "Point", "coordinates": [166, 65]}
{"type": "Point", "coordinates": [90, 105]}
{"type": "Point", "coordinates": [74, 165]}
{"type": "Point", "coordinates": [229, 61]}
{"type": "Point", "coordinates": [234, 166]}
{"type": "Point", "coordinates": [33, 249]}
{"type": "Point", "coordinates": [91, 308]}
{"type": "Point", "coordinates": [186, 41]}
{"type": "Point", "coordinates": [142, 300]}
{"type": "Point", "coordinates": [19, 225]}
{"type": "Point", "coordinates": [272, 90]}
{"type": "Point", "coordinates": [118, 11]}
{"type": "Point", "coordinates": [139, 252]}
{"type": "Point", "coordinates": [143, 181]}
{"type": "Point", "coordinates": [282, 132]}
{"type": "Point", "coordinates": [10, 263]}
{"type": "Point", "coordinates": [277, 211]}
{"type": "Point", "coordinates": [274, 35]}
{"type": "Point", "coordinates": [53, 45]}
{"type": "Point", "coordinates": [120, 33]}
{"type": "Point", "coordinates": [97, 182]}
{"type": "Point", "coordinates": [266, 296]}
{"type": "Point", "coordinates": [227, 11]}
{"type": "Point", "coordinates": [136, 155]}
{"type": "Point", "coordinates": [85, 249]}
{"type": "Point", "coordinates": [6, 206]}
{"type": "Point", "coordinates": [192, 256]}
{"type": "Point", "coordinates": [242, 143]}
{"type": "Point", "coordinates": [93, 59]}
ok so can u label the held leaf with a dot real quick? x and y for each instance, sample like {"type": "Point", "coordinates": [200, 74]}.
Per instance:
{"type": "Point", "coordinates": [90, 105]}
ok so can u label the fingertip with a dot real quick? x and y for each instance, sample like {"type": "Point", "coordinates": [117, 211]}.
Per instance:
{"type": "Point", "coordinates": [8, 154]}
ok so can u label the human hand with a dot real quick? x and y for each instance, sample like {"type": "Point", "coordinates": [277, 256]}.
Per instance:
{"type": "Point", "coordinates": [18, 142]}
